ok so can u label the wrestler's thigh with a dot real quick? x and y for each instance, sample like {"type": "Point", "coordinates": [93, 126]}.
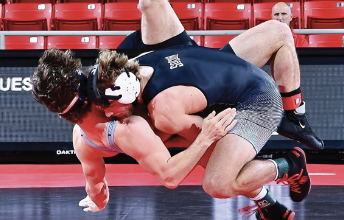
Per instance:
{"type": "Point", "coordinates": [230, 154]}
{"type": "Point", "coordinates": [159, 22]}
{"type": "Point", "coordinates": [259, 43]}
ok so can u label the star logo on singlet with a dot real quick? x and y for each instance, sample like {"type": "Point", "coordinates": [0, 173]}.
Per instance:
{"type": "Point", "coordinates": [174, 61]}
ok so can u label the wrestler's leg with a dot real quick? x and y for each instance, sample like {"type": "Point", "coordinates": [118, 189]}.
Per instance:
{"type": "Point", "coordinates": [159, 21]}
{"type": "Point", "coordinates": [258, 44]}
{"type": "Point", "coordinates": [273, 40]}
{"type": "Point", "coordinates": [231, 170]}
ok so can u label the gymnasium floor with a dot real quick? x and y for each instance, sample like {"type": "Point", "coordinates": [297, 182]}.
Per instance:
{"type": "Point", "coordinates": [52, 192]}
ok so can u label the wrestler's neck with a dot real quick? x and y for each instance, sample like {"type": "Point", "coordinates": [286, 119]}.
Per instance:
{"type": "Point", "coordinates": [146, 73]}
{"type": "Point", "coordinates": [93, 119]}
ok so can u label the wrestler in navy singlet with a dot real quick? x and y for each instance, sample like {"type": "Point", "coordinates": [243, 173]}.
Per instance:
{"type": "Point", "coordinates": [221, 76]}
{"type": "Point", "coordinates": [224, 79]}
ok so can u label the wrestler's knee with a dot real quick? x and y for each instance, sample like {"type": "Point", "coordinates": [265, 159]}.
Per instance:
{"type": "Point", "coordinates": [281, 30]}
{"type": "Point", "coordinates": [219, 189]}
{"type": "Point", "coordinates": [144, 4]}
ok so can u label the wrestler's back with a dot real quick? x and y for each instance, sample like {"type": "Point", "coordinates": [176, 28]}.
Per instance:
{"type": "Point", "coordinates": [209, 76]}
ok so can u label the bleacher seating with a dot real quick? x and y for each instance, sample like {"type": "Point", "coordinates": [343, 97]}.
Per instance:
{"type": "Point", "coordinates": [74, 42]}
{"type": "Point", "coordinates": [230, 1]}
{"type": "Point", "coordinates": [263, 12]}
{"type": "Point", "coordinates": [110, 1]}
{"type": "Point", "coordinates": [190, 14]}
{"type": "Point", "coordinates": [77, 16]}
{"type": "Point", "coordinates": [324, 15]}
{"type": "Point", "coordinates": [227, 16]}
{"type": "Point", "coordinates": [83, 1]}
{"type": "Point", "coordinates": [1, 17]}
{"type": "Point", "coordinates": [326, 40]}
{"type": "Point", "coordinates": [122, 16]}
{"type": "Point", "coordinates": [110, 42]}
{"type": "Point", "coordinates": [275, 1]}
{"type": "Point", "coordinates": [32, 1]}
{"type": "Point", "coordinates": [217, 41]}
{"type": "Point", "coordinates": [198, 40]}
{"type": "Point", "coordinates": [27, 16]}
{"type": "Point", "coordinates": [24, 42]}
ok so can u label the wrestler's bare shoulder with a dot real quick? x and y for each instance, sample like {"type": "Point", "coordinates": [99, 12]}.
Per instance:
{"type": "Point", "coordinates": [133, 123]}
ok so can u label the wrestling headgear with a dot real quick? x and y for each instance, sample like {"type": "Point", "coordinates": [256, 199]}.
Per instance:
{"type": "Point", "coordinates": [126, 88]}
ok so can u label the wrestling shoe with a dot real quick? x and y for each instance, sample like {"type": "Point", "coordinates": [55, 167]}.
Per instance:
{"type": "Point", "coordinates": [294, 125]}
{"type": "Point", "coordinates": [274, 212]}
{"type": "Point", "coordinates": [297, 177]}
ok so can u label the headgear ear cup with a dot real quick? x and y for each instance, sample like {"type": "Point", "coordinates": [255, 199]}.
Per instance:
{"type": "Point", "coordinates": [126, 90]}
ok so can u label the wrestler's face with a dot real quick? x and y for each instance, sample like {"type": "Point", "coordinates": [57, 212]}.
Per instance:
{"type": "Point", "coordinates": [282, 13]}
{"type": "Point", "coordinates": [118, 110]}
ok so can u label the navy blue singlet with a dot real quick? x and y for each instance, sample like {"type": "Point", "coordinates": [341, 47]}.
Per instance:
{"type": "Point", "coordinates": [224, 78]}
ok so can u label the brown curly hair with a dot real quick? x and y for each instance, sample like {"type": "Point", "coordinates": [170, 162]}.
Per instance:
{"type": "Point", "coordinates": [111, 65]}
{"type": "Point", "coordinates": [55, 84]}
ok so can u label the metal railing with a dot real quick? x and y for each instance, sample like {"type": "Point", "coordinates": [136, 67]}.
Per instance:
{"type": "Point", "coordinates": [3, 34]}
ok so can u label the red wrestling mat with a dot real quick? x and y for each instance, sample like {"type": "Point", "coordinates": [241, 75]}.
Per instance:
{"type": "Point", "coordinates": [28, 176]}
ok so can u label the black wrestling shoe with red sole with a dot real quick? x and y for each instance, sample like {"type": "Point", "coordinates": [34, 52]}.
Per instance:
{"type": "Point", "coordinates": [275, 212]}
{"type": "Point", "coordinates": [297, 177]}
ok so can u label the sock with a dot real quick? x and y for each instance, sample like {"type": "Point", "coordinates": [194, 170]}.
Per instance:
{"type": "Point", "coordinates": [276, 177]}
{"type": "Point", "coordinates": [301, 109]}
{"type": "Point", "coordinates": [267, 201]}
{"type": "Point", "coordinates": [282, 167]}
{"type": "Point", "coordinates": [260, 195]}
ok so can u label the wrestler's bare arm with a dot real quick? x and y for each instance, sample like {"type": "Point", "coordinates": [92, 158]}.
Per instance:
{"type": "Point", "coordinates": [138, 140]}
{"type": "Point", "coordinates": [93, 167]}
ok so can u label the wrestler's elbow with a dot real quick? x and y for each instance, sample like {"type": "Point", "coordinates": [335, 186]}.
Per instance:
{"type": "Point", "coordinates": [170, 183]}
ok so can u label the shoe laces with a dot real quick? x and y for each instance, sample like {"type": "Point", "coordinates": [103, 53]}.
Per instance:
{"type": "Point", "coordinates": [293, 181]}
{"type": "Point", "coordinates": [250, 210]}
{"type": "Point", "coordinates": [302, 119]}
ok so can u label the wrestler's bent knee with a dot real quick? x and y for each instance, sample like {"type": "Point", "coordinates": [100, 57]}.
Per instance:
{"type": "Point", "coordinates": [217, 189]}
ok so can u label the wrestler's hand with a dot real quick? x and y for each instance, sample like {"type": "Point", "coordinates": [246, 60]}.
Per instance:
{"type": "Point", "coordinates": [89, 205]}
{"type": "Point", "coordinates": [216, 126]}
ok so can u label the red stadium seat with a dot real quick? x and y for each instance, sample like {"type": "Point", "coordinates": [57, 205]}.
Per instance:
{"type": "Point", "coordinates": [198, 40]}
{"type": "Point", "coordinates": [1, 17]}
{"type": "Point", "coordinates": [326, 40]}
{"type": "Point", "coordinates": [84, 1]}
{"type": "Point", "coordinates": [227, 16]}
{"type": "Point", "coordinates": [189, 1]}
{"type": "Point", "coordinates": [72, 42]}
{"type": "Point", "coordinates": [110, 42]}
{"type": "Point", "coordinates": [324, 15]}
{"type": "Point", "coordinates": [263, 12]}
{"type": "Point", "coordinates": [33, 1]}
{"type": "Point", "coordinates": [24, 42]}
{"type": "Point", "coordinates": [190, 14]}
{"type": "Point", "coordinates": [217, 41]}
{"type": "Point", "coordinates": [230, 1]}
{"type": "Point", "coordinates": [111, 1]}
{"type": "Point", "coordinates": [275, 1]}
{"type": "Point", "coordinates": [122, 16]}
{"type": "Point", "coordinates": [77, 16]}
{"type": "Point", "coordinates": [27, 17]}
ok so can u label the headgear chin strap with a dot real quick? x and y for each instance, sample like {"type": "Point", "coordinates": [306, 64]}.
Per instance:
{"type": "Point", "coordinates": [126, 89]}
